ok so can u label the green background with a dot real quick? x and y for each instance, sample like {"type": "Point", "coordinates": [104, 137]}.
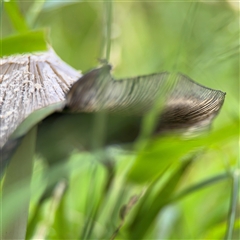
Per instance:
{"type": "Point", "coordinates": [199, 39]}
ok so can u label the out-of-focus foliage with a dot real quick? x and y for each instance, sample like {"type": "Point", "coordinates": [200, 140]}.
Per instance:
{"type": "Point", "coordinates": [183, 188]}
{"type": "Point", "coordinates": [26, 40]}
{"type": "Point", "coordinates": [22, 43]}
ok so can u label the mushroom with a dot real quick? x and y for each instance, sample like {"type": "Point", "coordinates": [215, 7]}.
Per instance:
{"type": "Point", "coordinates": [35, 86]}
{"type": "Point", "coordinates": [29, 82]}
{"type": "Point", "coordinates": [36, 81]}
{"type": "Point", "coordinates": [186, 105]}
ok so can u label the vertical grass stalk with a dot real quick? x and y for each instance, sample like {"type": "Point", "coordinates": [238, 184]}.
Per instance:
{"type": "Point", "coordinates": [18, 179]}
{"type": "Point", "coordinates": [233, 205]}
{"type": "Point", "coordinates": [99, 127]}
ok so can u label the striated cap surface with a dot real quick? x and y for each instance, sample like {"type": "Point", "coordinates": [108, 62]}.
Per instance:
{"type": "Point", "coordinates": [29, 82]}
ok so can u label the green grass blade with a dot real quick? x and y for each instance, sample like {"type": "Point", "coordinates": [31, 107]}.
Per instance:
{"type": "Point", "coordinates": [201, 185]}
{"type": "Point", "coordinates": [18, 174]}
{"type": "Point", "coordinates": [233, 205]}
{"type": "Point", "coordinates": [16, 16]}
{"type": "Point", "coordinates": [24, 43]}
{"type": "Point", "coordinates": [148, 210]}
{"type": "Point", "coordinates": [108, 28]}
{"type": "Point", "coordinates": [34, 118]}
{"type": "Point", "coordinates": [34, 11]}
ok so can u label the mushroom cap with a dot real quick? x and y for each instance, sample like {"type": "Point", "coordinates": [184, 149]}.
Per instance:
{"type": "Point", "coordinates": [29, 82]}
{"type": "Point", "coordinates": [43, 83]}
{"type": "Point", "coordinates": [181, 104]}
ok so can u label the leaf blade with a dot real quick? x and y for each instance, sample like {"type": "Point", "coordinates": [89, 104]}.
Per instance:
{"type": "Point", "coordinates": [16, 16]}
{"type": "Point", "coordinates": [23, 43]}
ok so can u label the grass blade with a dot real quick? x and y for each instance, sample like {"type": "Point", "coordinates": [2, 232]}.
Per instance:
{"type": "Point", "coordinates": [149, 211]}
{"type": "Point", "coordinates": [23, 43]}
{"type": "Point", "coordinates": [18, 173]}
{"type": "Point", "coordinates": [233, 205]}
{"type": "Point", "coordinates": [16, 16]}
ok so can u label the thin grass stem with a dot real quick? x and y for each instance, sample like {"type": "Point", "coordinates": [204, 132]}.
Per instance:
{"type": "Point", "coordinates": [108, 28]}
{"type": "Point", "coordinates": [233, 205]}
{"type": "Point", "coordinates": [201, 185]}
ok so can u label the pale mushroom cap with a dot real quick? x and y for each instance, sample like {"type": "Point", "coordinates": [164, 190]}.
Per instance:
{"type": "Point", "coordinates": [29, 82]}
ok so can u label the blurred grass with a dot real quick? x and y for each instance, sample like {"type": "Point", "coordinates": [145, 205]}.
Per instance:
{"type": "Point", "coordinates": [199, 39]}
{"type": "Point", "coordinates": [15, 15]}
{"type": "Point", "coordinates": [26, 42]}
